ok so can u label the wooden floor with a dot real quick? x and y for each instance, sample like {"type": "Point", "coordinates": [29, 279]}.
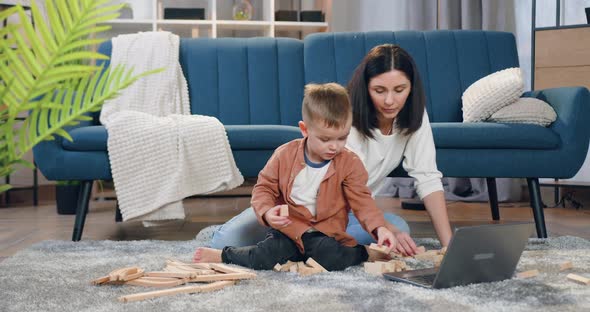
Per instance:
{"type": "Point", "coordinates": [22, 224]}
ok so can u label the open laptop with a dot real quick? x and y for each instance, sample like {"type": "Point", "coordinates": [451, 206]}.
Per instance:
{"type": "Point", "coordinates": [476, 254]}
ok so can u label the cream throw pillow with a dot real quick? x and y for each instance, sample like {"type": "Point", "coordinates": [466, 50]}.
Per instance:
{"type": "Point", "coordinates": [526, 110]}
{"type": "Point", "coordinates": [490, 93]}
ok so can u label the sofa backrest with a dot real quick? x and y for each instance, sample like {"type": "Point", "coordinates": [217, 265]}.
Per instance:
{"type": "Point", "coordinates": [448, 61]}
{"type": "Point", "coordinates": [243, 81]}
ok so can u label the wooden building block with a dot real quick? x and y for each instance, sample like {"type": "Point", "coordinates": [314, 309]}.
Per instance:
{"type": "Point", "coordinates": [578, 279]}
{"type": "Point", "coordinates": [277, 267]}
{"type": "Point", "coordinates": [222, 277]}
{"type": "Point", "coordinates": [314, 264]}
{"type": "Point", "coordinates": [227, 269]}
{"type": "Point", "coordinates": [373, 268]}
{"type": "Point", "coordinates": [284, 211]}
{"type": "Point", "coordinates": [421, 249]}
{"type": "Point", "coordinates": [442, 251]}
{"type": "Point", "coordinates": [125, 274]}
{"type": "Point", "coordinates": [171, 274]}
{"type": "Point", "coordinates": [173, 269]}
{"type": "Point", "coordinates": [163, 282]}
{"type": "Point", "coordinates": [287, 266]}
{"type": "Point", "coordinates": [302, 268]}
{"type": "Point", "coordinates": [174, 291]}
{"type": "Point", "coordinates": [187, 266]}
{"type": "Point", "coordinates": [565, 266]}
{"type": "Point", "coordinates": [100, 280]}
{"type": "Point", "coordinates": [437, 260]}
{"type": "Point", "coordinates": [430, 255]}
{"type": "Point", "coordinates": [527, 274]}
{"type": "Point", "coordinates": [306, 270]}
{"type": "Point", "coordinates": [387, 266]}
{"type": "Point", "coordinates": [380, 248]}
{"type": "Point", "coordinates": [400, 265]}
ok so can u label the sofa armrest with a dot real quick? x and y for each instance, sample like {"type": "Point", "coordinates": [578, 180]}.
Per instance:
{"type": "Point", "coordinates": [47, 153]}
{"type": "Point", "coordinates": [572, 105]}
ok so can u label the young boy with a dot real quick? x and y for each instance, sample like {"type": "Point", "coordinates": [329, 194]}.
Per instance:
{"type": "Point", "coordinates": [320, 181]}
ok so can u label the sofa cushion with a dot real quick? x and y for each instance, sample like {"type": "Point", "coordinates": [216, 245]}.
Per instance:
{"type": "Point", "coordinates": [260, 137]}
{"type": "Point", "coordinates": [487, 135]}
{"type": "Point", "coordinates": [254, 137]}
{"type": "Point", "coordinates": [491, 93]}
{"type": "Point", "coordinates": [528, 111]}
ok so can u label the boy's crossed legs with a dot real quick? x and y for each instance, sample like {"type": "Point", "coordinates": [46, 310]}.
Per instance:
{"type": "Point", "coordinates": [278, 248]}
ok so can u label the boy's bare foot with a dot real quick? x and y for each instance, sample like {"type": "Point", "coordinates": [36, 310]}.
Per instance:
{"type": "Point", "coordinates": [207, 255]}
{"type": "Point", "coordinates": [375, 255]}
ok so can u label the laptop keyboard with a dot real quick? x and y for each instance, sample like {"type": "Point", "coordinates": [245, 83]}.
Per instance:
{"type": "Point", "coordinates": [423, 279]}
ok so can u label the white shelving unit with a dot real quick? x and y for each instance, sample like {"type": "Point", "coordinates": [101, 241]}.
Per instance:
{"type": "Point", "coordinates": [148, 15]}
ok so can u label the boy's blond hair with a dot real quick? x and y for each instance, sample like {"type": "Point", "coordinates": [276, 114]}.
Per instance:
{"type": "Point", "coordinates": [328, 103]}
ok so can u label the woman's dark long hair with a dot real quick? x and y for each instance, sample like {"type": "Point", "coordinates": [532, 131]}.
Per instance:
{"type": "Point", "coordinates": [379, 60]}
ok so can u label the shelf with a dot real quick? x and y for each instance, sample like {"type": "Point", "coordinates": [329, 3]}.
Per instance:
{"type": "Point", "coordinates": [126, 21]}
{"type": "Point", "coordinates": [184, 22]}
{"type": "Point", "coordinates": [218, 22]}
{"type": "Point", "coordinates": [307, 26]}
{"type": "Point", "coordinates": [242, 25]}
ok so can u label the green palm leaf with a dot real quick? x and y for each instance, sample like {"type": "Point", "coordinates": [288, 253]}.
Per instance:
{"type": "Point", "coordinates": [46, 71]}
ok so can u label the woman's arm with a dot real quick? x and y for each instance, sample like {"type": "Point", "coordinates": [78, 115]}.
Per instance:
{"type": "Point", "coordinates": [437, 210]}
{"type": "Point", "coordinates": [420, 163]}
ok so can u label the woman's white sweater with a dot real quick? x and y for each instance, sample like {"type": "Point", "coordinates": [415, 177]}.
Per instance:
{"type": "Point", "coordinates": [384, 153]}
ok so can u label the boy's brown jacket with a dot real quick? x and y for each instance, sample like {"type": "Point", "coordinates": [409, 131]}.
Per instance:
{"type": "Point", "coordinates": [344, 187]}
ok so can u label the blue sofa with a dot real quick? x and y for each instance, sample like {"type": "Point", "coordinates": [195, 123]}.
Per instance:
{"type": "Point", "coordinates": [255, 86]}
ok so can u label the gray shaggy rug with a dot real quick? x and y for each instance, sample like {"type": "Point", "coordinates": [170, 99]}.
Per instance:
{"type": "Point", "coordinates": [55, 276]}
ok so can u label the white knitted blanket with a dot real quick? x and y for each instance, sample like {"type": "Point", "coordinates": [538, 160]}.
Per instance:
{"type": "Point", "coordinates": [159, 153]}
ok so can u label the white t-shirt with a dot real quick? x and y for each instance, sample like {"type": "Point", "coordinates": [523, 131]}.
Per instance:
{"type": "Point", "coordinates": [384, 153]}
{"type": "Point", "coordinates": [307, 183]}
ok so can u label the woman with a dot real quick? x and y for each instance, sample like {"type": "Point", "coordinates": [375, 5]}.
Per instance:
{"type": "Point", "coordinates": [389, 125]}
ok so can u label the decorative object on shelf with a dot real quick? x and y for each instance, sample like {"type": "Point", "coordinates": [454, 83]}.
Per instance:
{"type": "Point", "coordinates": [48, 64]}
{"type": "Point", "coordinates": [286, 15]}
{"type": "Point", "coordinates": [312, 16]}
{"type": "Point", "coordinates": [126, 12]}
{"type": "Point", "coordinates": [66, 196]}
{"type": "Point", "coordinates": [242, 11]}
{"type": "Point", "coordinates": [184, 13]}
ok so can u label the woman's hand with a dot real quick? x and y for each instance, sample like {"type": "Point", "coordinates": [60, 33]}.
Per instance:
{"type": "Point", "coordinates": [405, 244]}
{"type": "Point", "coordinates": [386, 238]}
{"type": "Point", "coordinates": [274, 220]}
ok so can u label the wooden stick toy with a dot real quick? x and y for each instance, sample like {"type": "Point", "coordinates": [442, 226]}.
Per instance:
{"type": "Point", "coordinates": [174, 274]}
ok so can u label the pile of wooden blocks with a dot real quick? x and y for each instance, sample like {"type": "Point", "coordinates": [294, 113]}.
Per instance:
{"type": "Point", "coordinates": [398, 262]}
{"type": "Point", "coordinates": [306, 268]}
{"type": "Point", "coordinates": [567, 265]}
{"type": "Point", "coordinates": [176, 273]}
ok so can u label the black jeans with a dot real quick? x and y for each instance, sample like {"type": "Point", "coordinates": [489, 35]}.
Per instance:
{"type": "Point", "coordinates": [279, 248]}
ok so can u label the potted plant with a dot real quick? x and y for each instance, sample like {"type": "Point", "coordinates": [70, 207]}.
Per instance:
{"type": "Point", "coordinates": [66, 196]}
{"type": "Point", "coordinates": [47, 70]}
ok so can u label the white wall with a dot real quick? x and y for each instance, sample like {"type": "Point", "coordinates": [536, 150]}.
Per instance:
{"type": "Point", "coordinates": [358, 15]}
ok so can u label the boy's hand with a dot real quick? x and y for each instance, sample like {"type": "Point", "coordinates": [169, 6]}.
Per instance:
{"type": "Point", "coordinates": [405, 244]}
{"type": "Point", "coordinates": [274, 220]}
{"type": "Point", "coordinates": [386, 238]}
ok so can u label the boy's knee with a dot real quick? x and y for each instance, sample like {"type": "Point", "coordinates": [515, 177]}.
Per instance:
{"type": "Point", "coordinates": [335, 257]}
{"type": "Point", "coordinates": [276, 248]}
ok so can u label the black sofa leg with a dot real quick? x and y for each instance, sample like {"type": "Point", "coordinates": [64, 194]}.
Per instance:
{"type": "Point", "coordinates": [82, 210]}
{"type": "Point", "coordinates": [537, 205]}
{"type": "Point", "coordinates": [493, 195]}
